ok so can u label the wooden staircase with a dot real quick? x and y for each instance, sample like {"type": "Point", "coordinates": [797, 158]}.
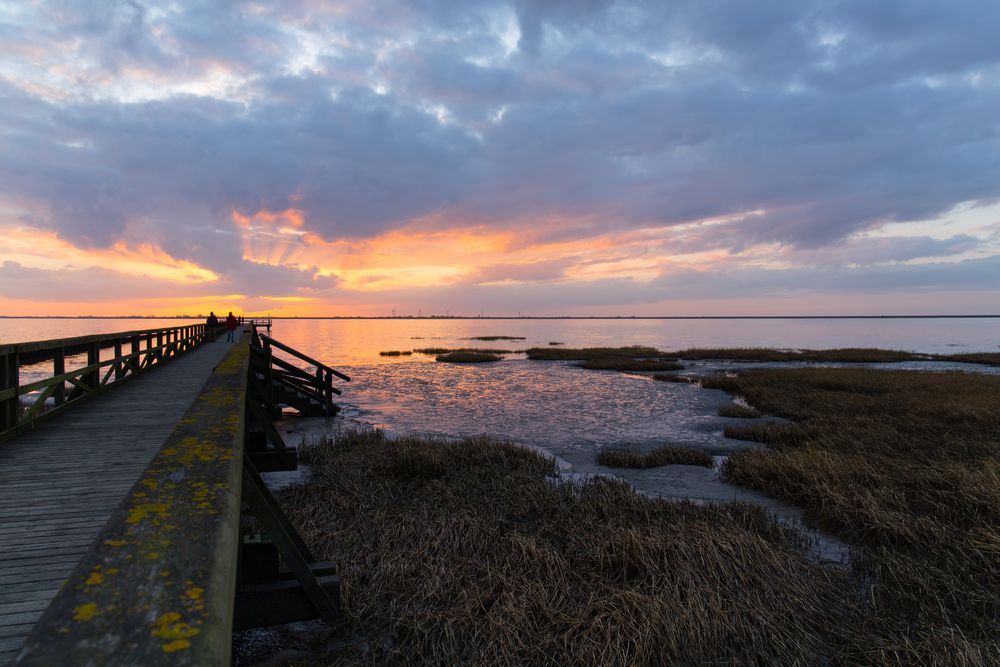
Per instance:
{"type": "Point", "coordinates": [285, 384]}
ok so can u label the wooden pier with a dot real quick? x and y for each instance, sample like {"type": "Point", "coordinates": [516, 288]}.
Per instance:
{"type": "Point", "coordinates": [120, 538]}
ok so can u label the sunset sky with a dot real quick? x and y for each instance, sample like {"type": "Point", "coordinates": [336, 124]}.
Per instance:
{"type": "Point", "coordinates": [570, 157]}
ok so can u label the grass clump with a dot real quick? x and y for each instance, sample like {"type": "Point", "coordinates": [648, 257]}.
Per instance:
{"type": "Point", "coordinates": [670, 377]}
{"type": "Point", "coordinates": [987, 358]}
{"type": "Point", "coordinates": [555, 342]}
{"type": "Point", "coordinates": [626, 364]}
{"type": "Point", "coordinates": [468, 553]}
{"type": "Point", "coordinates": [906, 464]}
{"type": "Point", "coordinates": [448, 350]}
{"type": "Point", "coordinates": [497, 338]}
{"type": "Point", "coordinates": [468, 357]}
{"type": "Point", "coordinates": [617, 457]}
{"type": "Point", "coordinates": [395, 353]}
{"type": "Point", "coordinates": [738, 411]}
{"type": "Point", "coordinates": [587, 353]}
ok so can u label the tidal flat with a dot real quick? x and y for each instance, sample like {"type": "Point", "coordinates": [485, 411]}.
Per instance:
{"type": "Point", "coordinates": [471, 551]}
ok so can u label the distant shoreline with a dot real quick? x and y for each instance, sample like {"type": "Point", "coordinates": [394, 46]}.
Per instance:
{"type": "Point", "coordinates": [523, 317]}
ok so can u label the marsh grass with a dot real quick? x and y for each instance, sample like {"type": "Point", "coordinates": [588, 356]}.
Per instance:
{"type": "Point", "coordinates": [396, 353]}
{"type": "Point", "coordinates": [623, 457]}
{"type": "Point", "coordinates": [738, 411]}
{"type": "Point", "coordinates": [555, 342]}
{"type": "Point", "coordinates": [626, 364]}
{"type": "Point", "coordinates": [448, 350]}
{"type": "Point", "coordinates": [588, 353]}
{"type": "Point", "coordinates": [669, 377]}
{"type": "Point", "coordinates": [468, 357]}
{"type": "Point", "coordinates": [988, 358]}
{"type": "Point", "coordinates": [843, 355]}
{"type": "Point", "coordinates": [469, 553]}
{"type": "Point", "coordinates": [906, 464]}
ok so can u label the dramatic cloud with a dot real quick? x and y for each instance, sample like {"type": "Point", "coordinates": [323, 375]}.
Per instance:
{"type": "Point", "coordinates": [589, 144]}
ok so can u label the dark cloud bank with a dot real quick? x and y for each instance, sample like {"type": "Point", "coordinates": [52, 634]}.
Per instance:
{"type": "Point", "coordinates": [832, 117]}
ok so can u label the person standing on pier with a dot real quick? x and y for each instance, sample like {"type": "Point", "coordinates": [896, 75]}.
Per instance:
{"type": "Point", "coordinates": [211, 326]}
{"type": "Point", "coordinates": [230, 327]}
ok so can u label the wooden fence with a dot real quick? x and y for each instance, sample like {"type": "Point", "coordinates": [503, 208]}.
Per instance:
{"type": "Point", "coordinates": [133, 352]}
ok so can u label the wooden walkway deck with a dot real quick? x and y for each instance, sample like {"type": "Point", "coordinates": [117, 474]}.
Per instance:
{"type": "Point", "coordinates": [59, 484]}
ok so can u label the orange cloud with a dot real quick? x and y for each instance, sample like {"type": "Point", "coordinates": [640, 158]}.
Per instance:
{"type": "Point", "coordinates": [45, 250]}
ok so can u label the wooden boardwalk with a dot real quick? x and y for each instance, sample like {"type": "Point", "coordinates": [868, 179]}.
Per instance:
{"type": "Point", "coordinates": [60, 483]}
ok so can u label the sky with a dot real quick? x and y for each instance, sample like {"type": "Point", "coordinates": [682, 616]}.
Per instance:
{"type": "Point", "coordinates": [558, 157]}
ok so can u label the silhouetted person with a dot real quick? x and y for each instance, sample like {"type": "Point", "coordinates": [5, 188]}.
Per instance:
{"type": "Point", "coordinates": [211, 326]}
{"type": "Point", "coordinates": [230, 328]}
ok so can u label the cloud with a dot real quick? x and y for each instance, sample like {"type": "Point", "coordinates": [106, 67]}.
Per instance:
{"type": "Point", "coordinates": [138, 122]}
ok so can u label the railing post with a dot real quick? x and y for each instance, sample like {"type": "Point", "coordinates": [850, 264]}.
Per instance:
{"type": "Point", "coordinates": [136, 360]}
{"type": "Point", "coordinates": [93, 378]}
{"type": "Point", "coordinates": [268, 374]}
{"type": "Point", "coordinates": [9, 379]}
{"type": "Point", "coordinates": [328, 392]}
{"type": "Point", "coordinates": [119, 368]}
{"type": "Point", "coordinates": [149, 347]}
{"type": "Point", "coordinates": [159, 344]}
{"type": "Point", "coordinates": [58, 368]}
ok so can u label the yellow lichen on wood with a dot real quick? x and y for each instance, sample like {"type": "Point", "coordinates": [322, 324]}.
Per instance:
{"type": "Point", "coordinates": [170, 627]}
{"type": "Point", "coordinates": [85, 612]}
{"type": "Point", "coordinates": [140, 512]}
{"type": "Point", "coordinates": [176, 645]}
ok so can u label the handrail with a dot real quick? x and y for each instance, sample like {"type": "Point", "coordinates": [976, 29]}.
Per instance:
{"type": "Point", "coordinates": [52, 343]}
{"type": "Point", "coordinates": [304, 357]}
{"type": "Point", "coordinates": [85, 381]}
{"type": "Point", "coordinates": [157, 586]}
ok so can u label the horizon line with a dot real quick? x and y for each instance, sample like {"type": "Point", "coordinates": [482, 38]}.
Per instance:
{"type": "Point", "coordinates": [505, 317]}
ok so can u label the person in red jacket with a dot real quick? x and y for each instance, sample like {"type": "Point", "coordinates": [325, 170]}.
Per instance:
{"type": "Point", "coordinates": [230, 328]}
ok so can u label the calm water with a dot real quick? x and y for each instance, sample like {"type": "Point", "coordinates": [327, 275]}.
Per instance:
{"type": "Point", "coordinates": [572, 413]}
{"type": "Point", "coordinates": [564, 410]}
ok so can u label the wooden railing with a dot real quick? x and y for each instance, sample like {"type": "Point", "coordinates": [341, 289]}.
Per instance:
{"type": "Point", "coordinates": [133, 353]}
{"type": "Point", "coordinates": [316, 385]}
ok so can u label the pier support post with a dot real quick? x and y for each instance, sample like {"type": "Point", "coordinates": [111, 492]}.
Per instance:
{"type": "Point", "coordinates": [9, 380]}
{"type": "Point", "coordinates": [58, 368]}
{"type": "Point", "coordinates": [93, 378]}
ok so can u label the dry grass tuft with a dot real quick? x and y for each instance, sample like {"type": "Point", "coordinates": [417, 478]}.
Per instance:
{"type": "Point", "coordinates": [468, 357]}
{"type": "Point", "coordinates": [908, 465]}
{"type": "Point", "coordinates": [396, 353]}
{"type": "Point", "coordinates": [555, 342]}
{"type": "Point", "coordinates": [618, 457]}
{"type": "Point", "coordinates": [626, 364]}
{"type": "Point", "coordinates": [468, 553]}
